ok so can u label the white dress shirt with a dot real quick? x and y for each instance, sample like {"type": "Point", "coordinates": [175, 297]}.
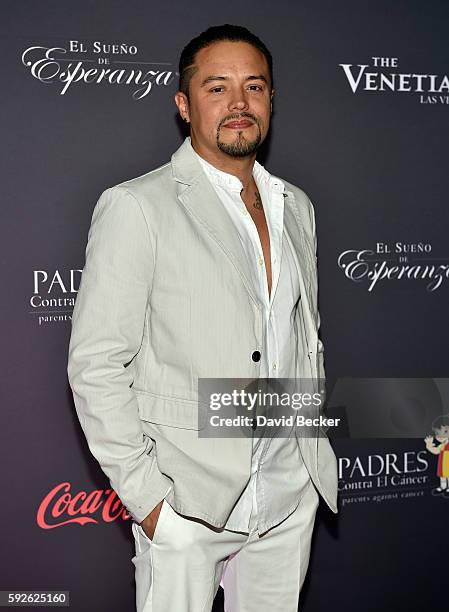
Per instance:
{"type": "Point", "coordinates": [279, 477]}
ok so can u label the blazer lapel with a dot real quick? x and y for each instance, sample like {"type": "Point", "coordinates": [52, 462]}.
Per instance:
{"type": "Point", "coordinates": [200, 200]}
{"type": "Point", "coordinates": [202, 203]}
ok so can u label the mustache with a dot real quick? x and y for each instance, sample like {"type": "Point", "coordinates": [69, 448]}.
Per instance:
{"type": "Point", "coordinates": [237, 116]}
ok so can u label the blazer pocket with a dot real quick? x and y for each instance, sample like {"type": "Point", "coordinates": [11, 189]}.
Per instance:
{"type": "Point", "coordinates": [171, 411]}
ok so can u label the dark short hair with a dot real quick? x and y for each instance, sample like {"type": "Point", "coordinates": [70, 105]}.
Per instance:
{"type": "Point", "coordinates": [214, 34]}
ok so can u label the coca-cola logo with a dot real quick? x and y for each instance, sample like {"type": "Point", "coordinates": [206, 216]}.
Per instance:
{"type": "Point", "coordinates": [61, 507]}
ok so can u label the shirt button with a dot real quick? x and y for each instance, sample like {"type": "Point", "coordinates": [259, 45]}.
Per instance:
{"type": "Point", "coordinates": [255, 356]}
{"type": "Point", "coordinates": [260, 261]}
{"type": "Point", "coordinates": [274, 366]}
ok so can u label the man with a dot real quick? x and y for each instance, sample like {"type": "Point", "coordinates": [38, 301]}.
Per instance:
{"type": "Point", "coordinates": [204, 268]}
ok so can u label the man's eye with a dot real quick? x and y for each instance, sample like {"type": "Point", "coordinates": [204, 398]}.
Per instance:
{"type": "Point", "coordinates": [217, 89]}
{"type": "Point", "coordinates": [256, 87]}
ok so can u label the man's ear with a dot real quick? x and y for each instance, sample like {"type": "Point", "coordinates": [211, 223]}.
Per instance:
{"type": "Point", "coordinates": [182, 103]}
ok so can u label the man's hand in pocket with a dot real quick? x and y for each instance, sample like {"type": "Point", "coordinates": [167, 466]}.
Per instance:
{"type": "Point", "coordinates": [149, 523]}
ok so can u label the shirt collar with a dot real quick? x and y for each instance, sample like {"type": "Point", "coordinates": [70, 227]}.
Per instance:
{"type": "Point", "coordinates": [231, 182]}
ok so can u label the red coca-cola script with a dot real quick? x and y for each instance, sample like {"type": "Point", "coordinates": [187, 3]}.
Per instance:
{"type": "Point", "coordinates": [61, 507]}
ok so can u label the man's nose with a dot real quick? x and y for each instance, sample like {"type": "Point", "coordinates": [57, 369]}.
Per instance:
{"type": "Point", "coordinates": [238, 101]}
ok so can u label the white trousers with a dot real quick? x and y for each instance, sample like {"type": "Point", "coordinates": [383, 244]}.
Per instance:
{"type": "Point", "coordinates": [181, 568]}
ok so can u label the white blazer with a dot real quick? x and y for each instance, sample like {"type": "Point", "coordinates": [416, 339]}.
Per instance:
{"type": "Point", "coordinates": [165, 298]}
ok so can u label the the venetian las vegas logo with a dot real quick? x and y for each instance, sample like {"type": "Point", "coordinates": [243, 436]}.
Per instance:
{"type": "Point", "coordinates": [384, 74]}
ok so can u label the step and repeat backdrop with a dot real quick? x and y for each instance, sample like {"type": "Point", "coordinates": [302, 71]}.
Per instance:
{"type": "Point", "coordinates": [361, 124]}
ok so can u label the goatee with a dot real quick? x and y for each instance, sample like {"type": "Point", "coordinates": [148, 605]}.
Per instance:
{"type": "Point", "coordinates": [241, 147]}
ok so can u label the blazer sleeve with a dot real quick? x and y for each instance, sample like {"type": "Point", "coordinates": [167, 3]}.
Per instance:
{"type": "Point", "coordinates": [107, 330]}
{"type": "Point", "coordinates": [320, 347]}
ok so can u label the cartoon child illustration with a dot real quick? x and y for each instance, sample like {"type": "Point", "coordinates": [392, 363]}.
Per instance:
{"type": "Point", "coordinates": [440, 428]}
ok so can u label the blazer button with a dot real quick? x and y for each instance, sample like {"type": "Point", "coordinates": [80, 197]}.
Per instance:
{"type": "Point", "coordinates": [256, 356]}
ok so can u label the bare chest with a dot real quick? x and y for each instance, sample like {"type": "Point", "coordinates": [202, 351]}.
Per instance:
{"type": "Point", "coordinates": [255, 208]}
